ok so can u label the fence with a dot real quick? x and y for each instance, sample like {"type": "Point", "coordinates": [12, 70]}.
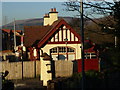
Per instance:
{"type": "Point", "coordinates": [63, 68]}
{"type": "Point", "coordinates": [19, 70]}
{"type": "Point", "coordinates": [32, 69]}
{"type": "Point", "coordinates": [89, 64]}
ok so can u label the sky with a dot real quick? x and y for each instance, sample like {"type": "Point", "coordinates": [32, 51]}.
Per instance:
{"type": "Point", "coordinates": [50, 0]}
{"type": "Point", "coordinates": [27, 10]}
{"type": "Point", "coordinates": [33, 0]}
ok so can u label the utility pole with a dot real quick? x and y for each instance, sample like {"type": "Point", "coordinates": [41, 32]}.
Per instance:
{"type": "Point", "coordinates": [5, 20]}
{"type": "Point", "coordinates": [115, 39]}
{"type": "Point", "coordinates": [14, 36]}
{"type": "Point", "coordinates": [82, 43]}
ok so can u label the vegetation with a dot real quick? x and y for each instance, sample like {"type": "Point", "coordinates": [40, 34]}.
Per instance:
{"type": "Point", "coordinates": [110, 58]}
{"type": "Point", "coordinates": [109, 24]}
{"type": "Point", "coordinates": [94, 80]}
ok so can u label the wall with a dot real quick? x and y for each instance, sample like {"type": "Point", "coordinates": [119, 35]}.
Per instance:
{"type": "Point", "coordinates": [15, 69]}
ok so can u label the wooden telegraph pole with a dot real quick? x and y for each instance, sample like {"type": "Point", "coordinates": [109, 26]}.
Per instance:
{"type": "Point", "coordinates": [82, 43]}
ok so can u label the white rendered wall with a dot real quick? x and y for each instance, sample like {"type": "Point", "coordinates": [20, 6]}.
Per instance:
{"type": "Point", "coordinates": [44, 68]}
{"type": "Point", "coordinates": [69, 36]}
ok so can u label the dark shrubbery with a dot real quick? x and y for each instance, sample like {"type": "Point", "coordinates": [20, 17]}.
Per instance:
{"type": "Point", "coordinates": [94, 80]}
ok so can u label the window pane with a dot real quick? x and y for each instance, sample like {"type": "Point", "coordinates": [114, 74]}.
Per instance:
{"type": "Point", "coordinates": [54, 50]}
{"type": "Point", "coordinates": [71, 57]}
{"type": "Point", "coordinates": [70, 50]}
{"type": "Point", "coordinates": [90, 55]}
{"type": "Point", "coordinates": [62, 49]}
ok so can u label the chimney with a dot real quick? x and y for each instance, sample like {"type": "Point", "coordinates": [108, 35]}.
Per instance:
{"type": "Point", "coordinates": [46, 19]}
{"type": "Point", "coordinates": [51, 17]}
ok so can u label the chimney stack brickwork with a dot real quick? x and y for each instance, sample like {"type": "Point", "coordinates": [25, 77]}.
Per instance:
{"type": "Point", "coordinates": [51, 17]}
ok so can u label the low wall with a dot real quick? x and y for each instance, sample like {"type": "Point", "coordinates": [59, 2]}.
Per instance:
{"type": "Point", "coordinates": [30, 69]}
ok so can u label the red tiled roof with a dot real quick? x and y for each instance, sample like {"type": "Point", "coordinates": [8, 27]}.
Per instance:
{"type": "Point", "coordinates": [8, 30]}
{"type": "Point", "coordinates": [40, 34]}
{"type": "Point", "coordinates": [37, 33]}
{"type": "Point", "coordinates": [33, 33]}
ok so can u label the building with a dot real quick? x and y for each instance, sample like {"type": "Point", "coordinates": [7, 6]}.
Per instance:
{"type": "Point", "coordinates": [56, 38]}
{"type": "Point", "coordinates": [8, 39]}
{"type": "Point", "coordinates": [9, 50]}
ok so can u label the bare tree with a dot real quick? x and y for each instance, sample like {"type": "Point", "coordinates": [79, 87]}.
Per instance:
{"type": "Point", "coordinates": [109, 10]}
{"type": "Point", "coordinates": [91, 9]}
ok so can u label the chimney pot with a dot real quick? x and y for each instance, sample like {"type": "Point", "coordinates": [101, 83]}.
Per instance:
{"type": "Point", "coordinates": [54, 10]}
{"type": "Point", "coordinates": [46, 15]}
{"type": "Point", "coordinates": [51, 10]}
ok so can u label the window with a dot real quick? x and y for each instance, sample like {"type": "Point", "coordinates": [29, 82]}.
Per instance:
{"type": "Point", "coordinates": [70, 50]}
{"type": "Point", "coordinates": [63, 53]}
{"type": "Point", "coordinates": [62, 50]}
{"type": "Point", "coordinates": [54, 50]}
{"type": "Point", "coordinates": [90, 55]}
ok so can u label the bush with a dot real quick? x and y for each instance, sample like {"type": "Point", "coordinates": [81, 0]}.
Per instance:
{"type": "Point", "coordinates": [92, 80]}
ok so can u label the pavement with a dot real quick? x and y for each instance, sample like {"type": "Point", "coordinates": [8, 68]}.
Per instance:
{"type": "Point", "coordinates": [28, 84]}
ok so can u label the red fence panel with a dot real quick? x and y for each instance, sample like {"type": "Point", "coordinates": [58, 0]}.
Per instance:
{"type": "Point", "coordinates": [90, 64]}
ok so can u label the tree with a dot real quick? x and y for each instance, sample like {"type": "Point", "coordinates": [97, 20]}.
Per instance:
{"type": "Point", "coordinates": [90, 9]}
{"type": "Point", "coordinates": [109, 10]}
